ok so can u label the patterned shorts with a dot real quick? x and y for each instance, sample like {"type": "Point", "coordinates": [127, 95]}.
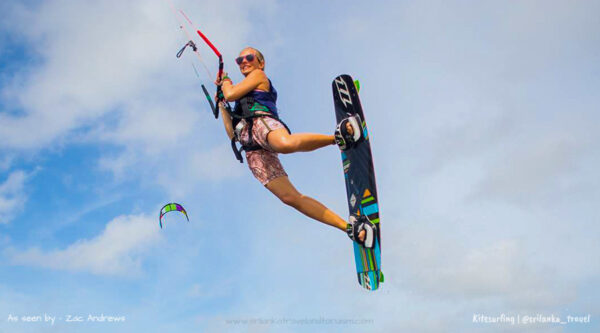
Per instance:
{"type": "Point", "coordinates": [263, 163]}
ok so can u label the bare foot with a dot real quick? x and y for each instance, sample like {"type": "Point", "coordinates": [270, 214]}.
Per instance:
{"type": "Point", "coordinates": [349, 128]}
{"type": "Point", "coordinates": [361, 235]}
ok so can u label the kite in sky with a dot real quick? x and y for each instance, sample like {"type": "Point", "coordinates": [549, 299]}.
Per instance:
{"type": "Point", "coordinates": [169, 208]}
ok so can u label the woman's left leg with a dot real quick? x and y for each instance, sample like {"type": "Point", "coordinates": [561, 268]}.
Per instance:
{"type": "Point", "coordinates": [287, 193]}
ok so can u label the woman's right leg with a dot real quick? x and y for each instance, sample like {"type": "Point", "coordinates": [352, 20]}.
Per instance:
{"type": "Point", "coordinates": [283, 142]}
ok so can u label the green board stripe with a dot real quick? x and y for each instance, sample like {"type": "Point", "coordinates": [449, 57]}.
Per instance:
{"type": "Point", "coordinates": [375, 265]}
{"type": "Point", "coordinates": [369, 199]}
{"type": "Point", "coordinates": [371, 260]}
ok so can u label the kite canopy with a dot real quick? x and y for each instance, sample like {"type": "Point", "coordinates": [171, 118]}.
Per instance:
{"type": "Point", "coordinates": [170, 207]}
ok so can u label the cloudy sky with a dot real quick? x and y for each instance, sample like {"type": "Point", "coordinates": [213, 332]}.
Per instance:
{"type": "Point", "coordinates": [484, 122]}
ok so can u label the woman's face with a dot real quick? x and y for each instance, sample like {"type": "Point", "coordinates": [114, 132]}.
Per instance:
{"type": "Point", "coordinates": [248, 61]}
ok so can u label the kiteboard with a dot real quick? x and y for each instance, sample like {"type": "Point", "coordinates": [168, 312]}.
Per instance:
{"type": "Point", "coordinates": [359, 176]}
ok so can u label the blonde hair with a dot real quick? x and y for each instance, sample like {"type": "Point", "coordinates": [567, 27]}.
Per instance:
{"type": "Point", "coordinates": [259, 55]}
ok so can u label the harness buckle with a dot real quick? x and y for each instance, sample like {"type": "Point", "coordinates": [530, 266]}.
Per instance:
{"type": "Point", "coordinates": [239, 127]}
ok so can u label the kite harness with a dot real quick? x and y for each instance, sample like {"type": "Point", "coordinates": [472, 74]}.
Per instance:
{"type": "Point", "coordinates": [255, 104]}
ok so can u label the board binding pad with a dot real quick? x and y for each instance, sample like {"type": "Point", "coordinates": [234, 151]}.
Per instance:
{"type": "Point", "coordinates": [359, 177]}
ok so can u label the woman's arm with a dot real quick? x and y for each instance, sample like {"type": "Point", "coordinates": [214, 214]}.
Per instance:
{"type": "Point", "coordinates": [226, 121]}
{"type": "Point", "coordinates": [257, 79]}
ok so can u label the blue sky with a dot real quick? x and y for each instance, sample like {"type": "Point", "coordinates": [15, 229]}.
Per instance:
{"type": "Point", "coordinates": [484, 125]}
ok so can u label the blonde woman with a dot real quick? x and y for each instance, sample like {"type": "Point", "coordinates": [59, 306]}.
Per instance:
{"type": "Point", "coordinates": [256, 125]}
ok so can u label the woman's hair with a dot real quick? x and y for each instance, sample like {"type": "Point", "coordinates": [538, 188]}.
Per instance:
{"type": "Point", "coordinates": [259, 56]}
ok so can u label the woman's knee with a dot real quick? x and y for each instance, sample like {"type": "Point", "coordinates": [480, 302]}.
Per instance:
{"type": "Point", "coordinates": [283, 189]}
{"type": "Point", "coordinates": [283, 143]}
{"type": "Point", "coordinates": [291, 198]}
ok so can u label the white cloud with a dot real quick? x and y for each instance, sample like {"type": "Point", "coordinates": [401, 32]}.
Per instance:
{"type": "Point", "coordinates": [469, 262]}
{"type": "Point", "coordinates": [12, 195]}
{"type": "Point", "coordinates": [89, 69]}
{"type": "Point", "coordinates": [117, 251]}
{"type": "Point", "coordinates": [536, 171]}
{"type": "Point", "coordinates": [178, 170]}
{"type": "Point", "coordinates": [6, 162]}
{"type": "Point", "coordinates": [215, 164]}
{"type": "Point", "coordinates": [208, 292]}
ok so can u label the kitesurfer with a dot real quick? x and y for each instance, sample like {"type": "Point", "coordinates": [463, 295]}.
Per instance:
{"type": "Point", "coordinates": [256, 125]}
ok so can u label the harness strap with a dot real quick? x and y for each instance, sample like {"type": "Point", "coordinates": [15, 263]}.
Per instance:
{"type": "Point", "coordinates": [246, 110]}
{"type": "Point", "coordinates": [251, 145]}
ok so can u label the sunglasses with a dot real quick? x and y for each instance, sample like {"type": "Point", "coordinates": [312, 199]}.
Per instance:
{"type": "Point", "coordinates": [248, 57]}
